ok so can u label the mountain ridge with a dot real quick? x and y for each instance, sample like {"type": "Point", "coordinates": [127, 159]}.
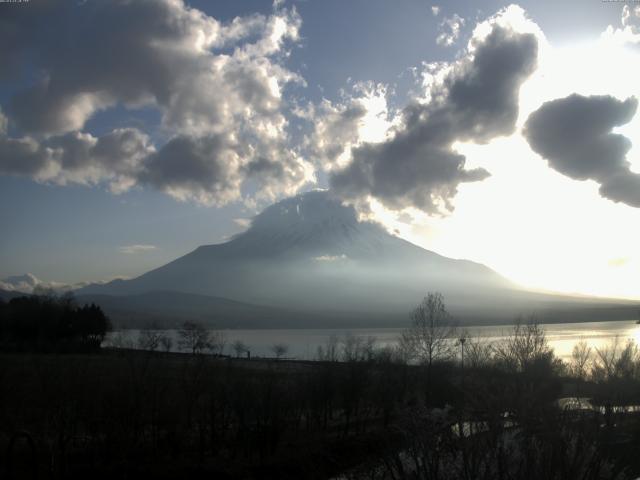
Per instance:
{"type": "Point", "coordinates": [310, 254]}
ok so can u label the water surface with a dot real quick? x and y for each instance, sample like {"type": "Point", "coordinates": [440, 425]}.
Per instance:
{"type": "Point", "coordinates": [304, 343]}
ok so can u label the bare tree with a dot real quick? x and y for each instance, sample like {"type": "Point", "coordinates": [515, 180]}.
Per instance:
{"type": "Point", "coordinates": [329, 353]}
{"type": "Point", "coordinates": [431, 335]}
{"type": "Point", "coordinates": [167, 342]}
{"type": "Point", "coordinates": [580, 357]}
{"type": "Point", "coordinates": [149, 339]}
{"type": "Point", "coordinates": [358, 349]}
{"type": "Point", "coordinates": [216, 342]}
{"type": "Point", "coordinates": [239, 348]}
{"type": "Point", "coordinates": [280, 350]}
{"type": "Point", "coordinates": [194, 337]}
{"type": "Point", "coordinates": [478, 352]}
{"type": "Point", "coordinates": [616, 361]}
{"type": "Point", "coordinates": [351, 348]}
{"type": "Point", "coordinates": [526, 344]}
{"type": "Point", "coordinates": [121, 340]}
{"type": "Point", "coordinates": [370, 347]}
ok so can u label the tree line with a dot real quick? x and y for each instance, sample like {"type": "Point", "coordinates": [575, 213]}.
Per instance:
{"type": "Point", "coordinates": [49, 323]}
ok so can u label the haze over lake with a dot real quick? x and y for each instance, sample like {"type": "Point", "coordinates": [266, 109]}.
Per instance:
{"type": "Point", "coordinates": [303, 343]}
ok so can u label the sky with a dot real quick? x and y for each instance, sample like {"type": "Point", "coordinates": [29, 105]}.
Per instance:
{"type": "Point", "coordinates": [507, 134]}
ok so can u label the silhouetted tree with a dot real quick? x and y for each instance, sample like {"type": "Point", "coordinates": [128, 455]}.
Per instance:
{"type": "Point", "coordinates": [239, 348]}
{"type": "Point", "coordinates": [616, 361]}
{"type": "Point", "coordinates": [430, 336]}
{"type": "Point", "coordinates": [217, 342]}
{"type": "Point", "coordinates": [166, 342]}
{"type": "Point", "coordinates": [329, 352]}
{"type": "Point", "coordinates": [477, 352]}
{"type": "Point", "coordinates": [580, 359]}
{"type": "Point", "coordinates": [193, 337]}
{"type": "Point", "coordinates": [279, 350]}
{"type": "Point", "coordinates": [526, 345]}
{"type": "Point", "coordinates": [149, 339]}
{"type": "Point", "coordinates": [121, 339]}
{"type": "Point", "coordinates": [52, 322]}
{"type": "Point", "coordinates": [358, 349]}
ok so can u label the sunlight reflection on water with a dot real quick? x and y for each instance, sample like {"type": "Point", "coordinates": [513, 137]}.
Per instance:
{"type": "Point", "coordinates": [563, 336]}
{"type": "Point", "coordinates": [303, 343]}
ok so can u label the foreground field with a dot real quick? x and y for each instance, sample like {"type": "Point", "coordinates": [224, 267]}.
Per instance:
{"type": "Point", "coordinates": [133, 414]}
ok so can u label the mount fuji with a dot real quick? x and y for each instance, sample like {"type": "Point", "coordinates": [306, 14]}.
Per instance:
{"type": "Point", "coordinates": [308, 261]}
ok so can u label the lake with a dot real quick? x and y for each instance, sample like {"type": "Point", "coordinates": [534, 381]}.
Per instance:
{"type": "Point", "coordinates": [303, 343]}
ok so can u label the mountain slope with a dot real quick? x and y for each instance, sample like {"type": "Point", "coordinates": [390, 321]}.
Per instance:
{"type": "Point", "coordinates": [7, 295]}
{"type": "Point", "coordinates": [310, 254]}
{"type": "Point", "coordinates": [169, 309]}
{"type": "Point", "coordinates": [305, 251]}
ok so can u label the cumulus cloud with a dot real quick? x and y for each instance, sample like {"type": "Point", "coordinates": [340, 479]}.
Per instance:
{"type": "Point", "coordinates": [217, 86]}
{"type": "Point", "coordinates": [475, 100]}
{"type": "Point", "coordinates": [204, 168]}
{"type": "Point", "coordinates": [162, 52]}
{"type": "Point", "coordinates": [631, 18]}
{"type": "Point", "coordinates": [435, 10]}
{"type": "Point", "coordinates": [339, 126]}
{"type": "Point", "coordinates": [115, 158]}
{"type": "Point", "coordinates": [137, 248]}
{"type": "Point", "coordinates": [449, 30]}
{"type": "Point", "coordinates": [629, 31]}
{"type": "Point", "coordinates": [336, 127]}
{"type": "Point", "coordinates": [213, 169]}
{"type": "Point", "coordinates": [20, 283]}
{"type": "Point", "coordinates": [30, 284]}
{"type": "Point", "coordinates": [575, 135]}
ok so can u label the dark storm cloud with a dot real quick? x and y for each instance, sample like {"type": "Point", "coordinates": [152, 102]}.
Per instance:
{"type": "Point", "coordinates": [575, 135]}
{"type": "Point", "coordinates": [477, 101]}
{"type": "Point", "coordinates": [205, 77]}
